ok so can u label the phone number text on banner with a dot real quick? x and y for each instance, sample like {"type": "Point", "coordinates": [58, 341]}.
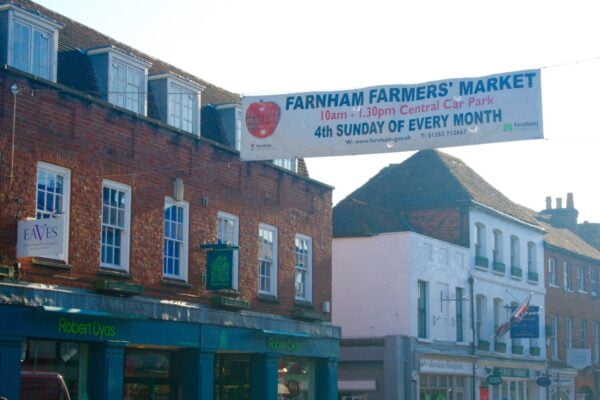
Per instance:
{"type": "Point", "coordinates": [454, 112]}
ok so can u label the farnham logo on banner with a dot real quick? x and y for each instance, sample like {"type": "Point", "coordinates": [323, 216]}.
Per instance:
{"type": "Point", "coordinates": [41, 238]}
{"type": "Point", "coordinates": [453, 112]}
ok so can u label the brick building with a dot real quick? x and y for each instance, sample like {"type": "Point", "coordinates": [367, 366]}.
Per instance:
{"type": "Point", "coordinates": [126, 169]}
{"type": "Point", "coordinates": [572, 304]}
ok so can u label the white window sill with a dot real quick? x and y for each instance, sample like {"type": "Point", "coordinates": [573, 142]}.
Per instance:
{"type": "Point", "coordinates": [424, 340]}
{"type": "Point", "coordinates": [553, 286]}
{"type": "Point", "coordinates": [463, 344]}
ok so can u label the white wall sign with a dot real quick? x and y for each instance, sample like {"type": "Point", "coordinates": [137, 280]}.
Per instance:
{"type": "Point", "coordinates": [579, 358]}
{"type": "Point", "coordinates": [451, 367]}
{"type": "Point", "coordinates": [41, 238]}
{"type": "Point", "coordinates": [381, 119]}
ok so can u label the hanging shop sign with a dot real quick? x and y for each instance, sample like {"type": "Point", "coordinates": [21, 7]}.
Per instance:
{"type": "Point", "coordinates": [219, 269]}
{"type": "Point", "coordinates": [383, 119]}
{"type": "Point", "coordinates": [528, 327]}
{"type": "Point", "coordinates": [494, 380]}
{"type": "Point", "coordinates": [543, 381]}
{"type": "Point", "coordinates": [41, 238]}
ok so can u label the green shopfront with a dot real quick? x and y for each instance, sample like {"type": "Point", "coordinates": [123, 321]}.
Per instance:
{"type": "Point", "coordinates": [157, 351]}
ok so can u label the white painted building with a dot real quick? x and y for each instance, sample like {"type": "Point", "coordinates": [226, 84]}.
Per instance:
{"type": "Point", "coordinates": [506, 259]}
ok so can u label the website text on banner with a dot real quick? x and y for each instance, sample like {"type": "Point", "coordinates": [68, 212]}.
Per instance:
{"type": "Point", "coordinates": [454, 112]}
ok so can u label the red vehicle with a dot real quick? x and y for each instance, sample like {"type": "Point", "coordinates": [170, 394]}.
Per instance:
{"type": "Point", "coordinates": [43, 385]}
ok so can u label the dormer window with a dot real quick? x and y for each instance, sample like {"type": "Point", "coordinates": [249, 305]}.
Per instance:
{"type": "Point", "coordinates": [122, 78]}
{"type": "Point", "coordinates": [32, 42]}
{"type": "Point", "coordinates": [291, 164]}
{"type": "Point", "coordinates": [177, 101]}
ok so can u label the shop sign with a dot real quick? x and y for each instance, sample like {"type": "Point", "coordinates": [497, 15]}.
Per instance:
{"type": "Point", "coordinates": [579, 358]}
{"type": "Point", "coordinates": [41, 238]}
{"type": "Point", "coordinates": [511, 372]}
{"type": "Point", "coordinates": [494, 379]}
{"type": "Point", "coordinates": [543, 381]}
{"type": "Point", "coordinates": [90, 328]}
{"type": "Point", "coordinates": [445, 367]}
{"type": "Point", "coordinates": [219, 269]}
{"type": "Point", "coordinates": [283, 346]}
{"type": "Point", "coordinates": [529, 327]}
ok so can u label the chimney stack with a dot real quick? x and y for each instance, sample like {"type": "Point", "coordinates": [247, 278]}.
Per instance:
{"type": "Point", "coordinates": [548, 203]}
{"type": "Point", "coordinates": [570, 201]}
{"type": "Point", "coordinates": [558, 203]}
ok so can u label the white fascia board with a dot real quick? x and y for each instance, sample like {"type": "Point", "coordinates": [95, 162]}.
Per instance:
{"type": "Point", "coordinates": [35, 19]}
{"type": "Point", "coordinates": [120, 54]}
{"type": "Point", "coordinates": [178, 80]}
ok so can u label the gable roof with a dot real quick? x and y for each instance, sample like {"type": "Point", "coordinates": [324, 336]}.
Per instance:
{"type": "Point", "coordinates": [567, 240]}
{"type": "Point", "coordinates": [427, 180]}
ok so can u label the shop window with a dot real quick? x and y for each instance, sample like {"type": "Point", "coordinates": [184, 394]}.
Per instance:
{"type": "Point", "coordinates": [267, 260]}
{"type": "Point", "coordinates": [296, 379]}
{"type": "Point", "coordinates": [232, 376]}
{"type": "Point", "coordinates": [51, 367]}
{"type": "Point", "coordinates": [303, 259]}
{"type": "Point", "coordinates": [52, 197]}
{"type": "Point", "coordinates": [228, 233]}
{"type": "Point", "coordinates": [149, 374]}
{"type": "Point", "coordinates": [175, 241]}
{"type": "Point", "coordinates": [445, 387]}
{"type": "Point", "coordinates": [116, 209]}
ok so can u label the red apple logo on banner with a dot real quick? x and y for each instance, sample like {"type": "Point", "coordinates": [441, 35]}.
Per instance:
{"type": "Point", "coordinates": [262, 118]}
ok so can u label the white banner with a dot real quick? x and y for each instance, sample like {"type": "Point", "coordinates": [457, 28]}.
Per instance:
{"type": "Point", "coordinates": [454, 112]}
{"type": "Point", "coordinates": [41, 238]}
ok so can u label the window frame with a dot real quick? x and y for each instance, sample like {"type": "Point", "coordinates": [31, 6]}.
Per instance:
{"type": "Point", "coordinates": [291, 164]}
{"type": "Point", "coordinates": [66, 199]}
{"type": "Point", "coordinates": [582, 336]}
{"type": "Point", "coordinates": [552, 272]}
{"type": "Point", "coordinates": [554, 340]}
{"type": "Point", "coordinates": [272, 290]}
{"type": "Point", "coordinates": [460, 314]}
{"type": "Point", "coordinates": [235, 242]}
{"type": "Point", "coordinates": [125, 240]}
{"type": "Point", "coordinates": [568, 276]}
{"type": "Point", "coordinates": [581, 279]}
{"type": "Point", "coordinates": [594, 281]}
{"type": "Point", "coordinates": [423, 309]}
{"type": "Point", "coordinates": [184, 251]}
{"type": "Point", "coordinates": [480, 238]}
{"type": "Point", "coordinates": [480, 316]}
{"type": "Point", "coordinates": [35, 23]}
{"type": "Point", "coordinates": [498, 251]}
{"type": "Point", "coordinates": [569, 332]}
{"type": "Point", "coordinates": [308, 268]}
{"type": "Point", "coordinates": [515, 251]}
{"type": "Point", "coordinates": [531, 257]}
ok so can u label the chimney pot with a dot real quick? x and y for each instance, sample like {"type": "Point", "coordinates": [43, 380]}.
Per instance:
{"type": "Point", "coordinates": [570, 202]}
{"type": "Point", "coordinates": [558, 203]}
{"type": "Point", "coordinates": [548, 203]}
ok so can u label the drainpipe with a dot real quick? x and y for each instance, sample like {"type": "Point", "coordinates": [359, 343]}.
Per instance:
{"type": "Point", "coordinates": [473, 346]}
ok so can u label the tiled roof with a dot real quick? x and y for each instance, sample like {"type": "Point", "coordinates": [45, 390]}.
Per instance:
{"type": "Point", "coordinates": [355, 218]}
{"type": "Point", "coordinates": [429, 179]}
{"type": "Point", "coordinates": [75, 71]}
{"type": "Point", "coordinates": [567, 240]}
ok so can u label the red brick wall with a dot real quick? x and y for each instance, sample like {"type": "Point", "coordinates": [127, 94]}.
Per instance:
{"type": "Point", "coordinates": [448, 224]}
{"type": "Point", "coordinates": [97, 142]}
{"type": "Point", "coordinates": [575, 305]}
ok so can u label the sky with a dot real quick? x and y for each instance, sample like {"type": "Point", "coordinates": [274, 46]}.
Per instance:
{"type": "Point", "coordinates": [274, 47]}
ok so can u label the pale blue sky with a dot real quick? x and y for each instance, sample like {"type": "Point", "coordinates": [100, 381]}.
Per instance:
{"type": "Point", "coordinates": [263, 47]}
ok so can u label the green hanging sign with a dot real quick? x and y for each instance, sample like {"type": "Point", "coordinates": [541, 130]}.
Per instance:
{"type": "Point", "coordinates": [219, 269]}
